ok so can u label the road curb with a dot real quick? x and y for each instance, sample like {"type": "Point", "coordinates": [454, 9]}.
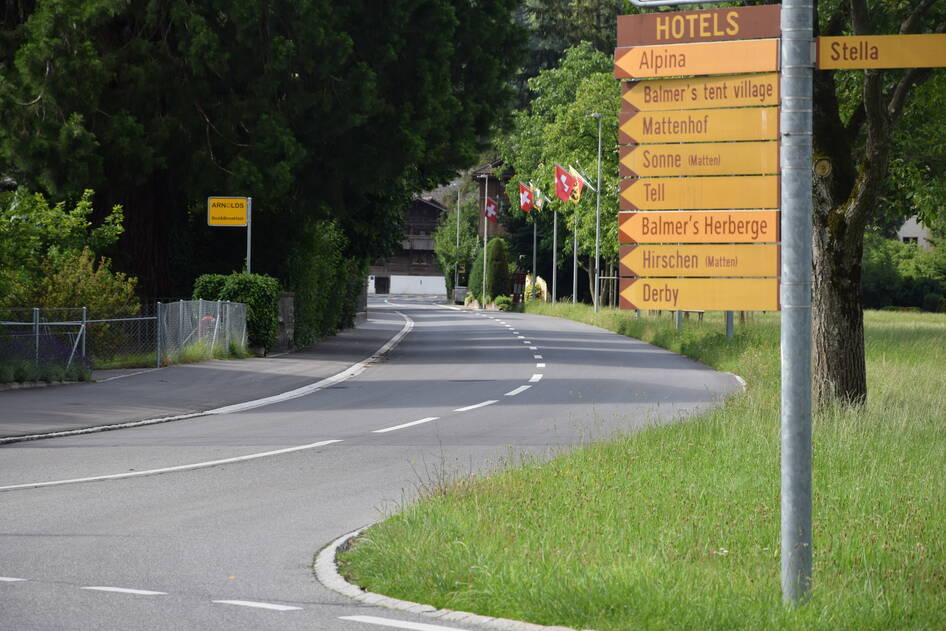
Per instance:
{"type": "Point", "coordinates": [326, 572]}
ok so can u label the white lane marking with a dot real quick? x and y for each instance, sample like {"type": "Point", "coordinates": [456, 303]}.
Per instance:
{"type": "Point", "coordinates": [537, 356]}
{"type": "Point", "coordinates": [131, 374]}
{"type": "Point", "coordinates": [403, 425]}
{"type": "Point", "coordinates": [251, 603]}
{"type": "Point", "coordinates": [125, 590]}
{"type": "Point", "coordinates": [352, 371]}
{"type": "Point", "coordinates": [526, 342]}
{"type": "Point", "coordinates": [10, 579]}
{"type": "Point", "coordinates": [533, 348]}
{"type": "Point", "coordinates": [515, 332]}
{"type": "Point", "coordinates": [478, 405]}
{"type": "Point", "coordinates": [399, 624]}
{"type": "Point", "coordinates": [183, 467]}
{"type": "Point", "coordinates": [540, 365]}
{"type": "Point", "coordinates": [513, 393]}
{"type": "Point", "coordinates": [535, 378]}
{"type": "Point", "coordinates": [521, 337]}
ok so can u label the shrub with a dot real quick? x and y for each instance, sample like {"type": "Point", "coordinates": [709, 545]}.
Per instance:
{"type": "Point", "coordinates": [260, 293]}
{"type": "Point", "coordinates": [503, 303]}
{"type": "Point", "coordinates": [209, 286]}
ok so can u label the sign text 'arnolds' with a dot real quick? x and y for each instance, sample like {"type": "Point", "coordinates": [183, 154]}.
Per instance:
{"type": "Point", "coordinates": [227, 211]}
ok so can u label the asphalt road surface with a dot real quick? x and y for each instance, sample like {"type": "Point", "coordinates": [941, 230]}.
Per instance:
{"type": "Point", "coordinates": [213, 522]}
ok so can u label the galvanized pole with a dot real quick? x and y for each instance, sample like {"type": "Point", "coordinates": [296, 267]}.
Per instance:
{"type": "Point", "coordinates": [535, 276]}
{"type": "Point", "coordinates": [485, 232]}
{"type": "Point", "coordinates": [729, 325]}
{"type": "Point", "coordinates": [249, 231]}
{"type": "Point", "coordinates": [554, 256]}
{"type": "Point", "coordinates": [456, 263]}
{"type": "Point", "coordinates": [598, 221]}
{"type": "Point", "coordinates": [575, 260]}
{"type": "Point", "coordinates": [796, 142]}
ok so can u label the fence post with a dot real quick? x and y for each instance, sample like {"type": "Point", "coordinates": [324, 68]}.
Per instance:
{"type": "Point", "coordinates": [157, 335]}
{"type": "Point", "coordinates": [36, 333]}
{"type": "Point", "coordinates": [84, 331]}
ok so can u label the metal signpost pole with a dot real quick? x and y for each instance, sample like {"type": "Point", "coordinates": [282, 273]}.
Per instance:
{"type": "Point", "coordinates": [535, 276]}
{"type": "Point", "coordinates": [249, 231]}
{"type": "Point", "coordinates": [485, 232]}
{"type": "Point", "coordinates": [554, 256]}
{"type": "Point", "coordinates": [796, 143]}
{"type": "Point", "coordinates": [575, 260]}
{"type": "Point", "coordinates": [456, 263]}
{"type": "Point", "coordinates": [598, 220]}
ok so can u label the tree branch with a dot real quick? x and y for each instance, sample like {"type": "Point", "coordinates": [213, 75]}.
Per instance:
{"type": "Point", "coordinates": [912, 23]}
{"type": "Point", "coordinates": [860, 17]}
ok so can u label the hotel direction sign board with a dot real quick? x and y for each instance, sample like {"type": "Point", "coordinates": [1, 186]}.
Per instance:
{"type": "Point", "coordinates": [722, 192]}
{"type": "Point", "coordinates": [882, 51]}
{"type": "Point", "coordinates": [712, 226]}
{"type": "Point", "coordinates": [705, 158]}
{"type": "Point", "coordinates": [227, 211]}
{"type": "Point", "coordinates": [699, 26]}
{"type": "Point", "coordinates": [703, 58]}
{"type": "Point", "coordinates": [695, 294]}
{"type": "Point", "coordinates": [725, 259]}
{"type": "Point", "coordinates": [701, 92]}
{"type": "Point", "coordinates": [709, 125]}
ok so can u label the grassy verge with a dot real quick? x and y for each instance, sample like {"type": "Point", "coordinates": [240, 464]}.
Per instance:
{"type": "Point", "coordinates": [677, 527]}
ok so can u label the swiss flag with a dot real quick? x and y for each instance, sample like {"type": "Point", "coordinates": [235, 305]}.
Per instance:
{"type": "Point", "coordinates": [525, 197]}
{"type": "Point", "coordinates": [564, 183]}
{"type": "Point", "coordinates": [492, 210]}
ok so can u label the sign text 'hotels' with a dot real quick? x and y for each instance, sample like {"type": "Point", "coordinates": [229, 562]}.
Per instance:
{"type": "Point", "coordinates": [748, 123]}
{"type": "Point", "coordinates": [711, 193]}
{"type": "Point", "coordinates": [751, 55]}
{"type": "Point", "coordinates": [744, 259]}
{"type": "Point", "coordinates": [699, 26]}
{"type": "Point", "coordinates": [227, 211]}
{"type": "Point", "coordinates": [701, 92]}
{"type": "Point", "coordinates": [751, 226]}
{"type": "Point", "coordinates": [710, 158]}
{"type": "Point", "coordinates": [695, 294]}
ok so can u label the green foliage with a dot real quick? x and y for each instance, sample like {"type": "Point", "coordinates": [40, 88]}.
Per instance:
{"type": "Point", "coordinates": [903, 275]}
{"type": "Point", "coordinates": [498, 278]}
{"type": "Point", "coordinates": [445, 236]}
{"type": "Point", "coordinates": [209, 286]}
{"type": "Point", "coordinates": [260, 293]}
{"type": "Point", "coordinates": [74, 279]}
{"type": "Point", "coordinates": [503, 303]}
{"type": "Point", "coordinates": [35, 237]}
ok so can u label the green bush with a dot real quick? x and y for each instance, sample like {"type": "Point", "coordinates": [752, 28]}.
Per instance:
{"type": "Point", "coordinates": [503, 303]}
{"type": "Point", "coordinates": [209, 286]}
{"type": "Point", "coordinates": [498, 278]}
{"type": "Point", "coordinates": [260, 293]}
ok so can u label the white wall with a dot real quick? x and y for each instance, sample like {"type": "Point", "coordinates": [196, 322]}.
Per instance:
{"type": "Point", "coordinates": [428, 285]}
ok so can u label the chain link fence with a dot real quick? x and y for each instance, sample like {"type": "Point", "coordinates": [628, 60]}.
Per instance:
{"type": "Point", "coordinates": [66, 344]}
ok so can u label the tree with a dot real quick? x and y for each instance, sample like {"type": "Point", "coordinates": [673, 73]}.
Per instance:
{"type": "Point", "coordinates": [856, 119]}
{"type": "Point", "coordinates": [445, 236]}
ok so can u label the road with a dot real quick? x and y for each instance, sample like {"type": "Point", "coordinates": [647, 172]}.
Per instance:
{"type": "Point", "coordinates": [223, 534]}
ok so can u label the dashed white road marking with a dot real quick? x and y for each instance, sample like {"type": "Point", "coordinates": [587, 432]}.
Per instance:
{"type": "Point", "coordinates": [399, 624]}
{"type": "Point", "coordinates": [478, 405]}
{"type": "Point", "coordinates": [537, 356]}
{"type": "Point", "coordinates": [403, 425]}
{"type": "Point", "coordinates": [521, 337]}
{"type": "Point", "coordinates": [535, 378]}
{"type": "Point", "coordinates": [525, 341]}
{"type": "Point", "coordinates": [10, 579]}
{"type": "Point", "coordinates": [513, 393]}
{"type": "Point", "coordinates": [533, 348]}
{"type": "Point", "coordinates": [124, 590]}
{"type": "Point", "coordinates": [183, 467]}
{"type": "Point", "coordinates": [540, 365]}
{"type": "Point", "coordinates": [250, 603]}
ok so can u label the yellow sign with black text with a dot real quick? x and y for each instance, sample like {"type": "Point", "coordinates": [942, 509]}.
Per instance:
{"type": "Point", "coordinates": [227, 211]}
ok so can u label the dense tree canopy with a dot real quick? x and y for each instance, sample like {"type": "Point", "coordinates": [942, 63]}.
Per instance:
{"type": "Point", "coordinates": [318, 110]}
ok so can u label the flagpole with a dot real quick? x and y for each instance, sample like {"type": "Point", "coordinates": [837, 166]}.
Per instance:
{"type": "Point", "coordinates": [456, 262]}
{"type": "Point", "coordinates": [554, 256]}
{"type": "Point", "coordinates": [485, 234]}
{"type": "Point", "coordinates": [535, 276]}
{"type": "Point", "coordinates": [598, 221]}
{"type": "Point", "coordinates": [575, 259]}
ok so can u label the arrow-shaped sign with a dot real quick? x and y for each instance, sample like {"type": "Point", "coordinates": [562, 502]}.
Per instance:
{"type": "Point", "coordinates": [701, 92]}
{"type": "Point", "coordinates": [750, 191]}
{"type": "Point", "coordinates": [711, 226]}
{"type": "Point", "coordinates": [882, 51]}
{"type": "Point", "coordinates": [700, 260]}
{"type": "Point", "coordinates": [705, 58]}
{"type": "Point", "coordinates": [710, 158]}
{"type": "Point", "coordinates": [706, 125]}
{"type": "Point", "coordinates": [696, 294]}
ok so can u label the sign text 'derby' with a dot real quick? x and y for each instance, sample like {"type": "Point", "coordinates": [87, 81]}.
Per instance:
{"type": "Point", "coordinates": [697, 26]}
{"type": "Point", "coordinates": [723, 192]}
{"type": "Point", "coordinates": [691, 294]}
{"type": "Point", "coordinates": [700, 260]}
{"type": "Point", "coordinates": [701, 92]}
{"type": "Point", "coordinates": [706, 58]}
{"type": "Point", "coordinates": [751, 226]}
{"type": "Point", "coordinates": [707, 125]}
{"type": "Point", "coordinates": [710, 158]}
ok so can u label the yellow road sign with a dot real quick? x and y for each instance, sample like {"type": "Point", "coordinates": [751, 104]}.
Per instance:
{"type": "Point", "coordinates": [227, 211]}
{"type": "Point", "coordinates": [701, 92]}
{"type": "Point", "coordinates": [706, 125]}
{"type": "Point", "coordinates": [882, 51]}
{"type": "Point", "coordinates": [695, 294]}
{"type": "Point", "coordinates": [747, 226]}
{"type": "Point", "coordinates": [748, 191]}
{"type": "Point", "coordinates": [700, 260]}
{"type": "Point", "coordinates": [704, 58]}
{"type": "Point", "coordinates": [709, 158]}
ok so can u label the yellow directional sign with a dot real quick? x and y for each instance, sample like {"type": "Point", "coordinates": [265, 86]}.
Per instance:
{"type": "Point", "coordinates": [882, 51]}
{"type": "Point", "coordinates": [695, 294]}
{"type": "Point", "coordinates": [676, 60]}
{"type": "Point", "coordinates": [701, 92]}
{"type": "Point", "coordinates": [749, 191]}
{"type": "Point", "coordinates": [709, 158]}
{"type": "Point", "coordinates": [700, 260]}
{"type": "Point", "coordinates": [706, 125]}
{"type": "Point", "coordinates": [226, 211]}
{"type": "Point", "coordinates": [752, 226]}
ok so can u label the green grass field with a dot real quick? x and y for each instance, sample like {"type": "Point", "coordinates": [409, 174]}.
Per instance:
{"type": "Point", "coordinates": [677, 527]}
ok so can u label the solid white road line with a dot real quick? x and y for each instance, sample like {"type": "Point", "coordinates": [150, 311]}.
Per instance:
{"type": "Point", "coordinates": [513, 393]}
{"type": "Point", "coordinates": [403, 425]}
{"type": "Point", "coordinates": [250, 603]}
{"type": "Point", "coordinates": [540, 365]}
{"type": "Point", "coordinates": [125, 590]}
{"type": "Point", "coordinates": [473, 407]}
{"type": "Point", "coordinates": [399, 624]}
{"type": "Point", "coordinates": [535, 378]}
{"type": "Point", "coordinates": [10, 579]}
{"type": "Point", "coordinates": [183, 467]}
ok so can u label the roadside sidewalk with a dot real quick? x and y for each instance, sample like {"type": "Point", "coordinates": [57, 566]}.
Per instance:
{"type": "Point", "coordinates": [129, 396]}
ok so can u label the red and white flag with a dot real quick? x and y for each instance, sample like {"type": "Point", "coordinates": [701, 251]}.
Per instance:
{"type": "Point", "coordinates": [564, 183]}
{"type": "Point", "coordinates": [525, 197]}
{"type": "Point", "coordinates": [492, 210]}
